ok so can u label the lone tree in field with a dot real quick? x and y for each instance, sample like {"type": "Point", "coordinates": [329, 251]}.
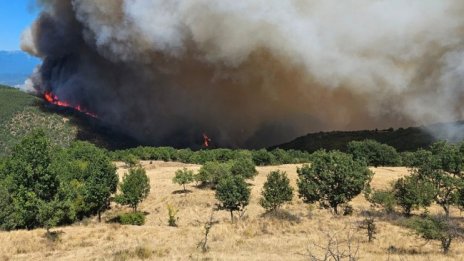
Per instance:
{"type": "Point", "coordinates": [333, 178]}
{"type": "Point", "coordinates": [183, 177]}
{"type": "Point", "coordinates": [134, 188]}
{"type": "Point", "coordinates": [276, 191]}
{"type": "Point", "coordinates": [233, 194]}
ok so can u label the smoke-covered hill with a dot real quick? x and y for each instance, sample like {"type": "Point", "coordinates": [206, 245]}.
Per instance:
{"type": "Point", "coordinates": [403, 139]}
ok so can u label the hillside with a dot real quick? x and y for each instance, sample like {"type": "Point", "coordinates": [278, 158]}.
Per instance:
{"type": "Point", "coordinates": [403, 139]}
{"type": "Point", "coordinates": [20, 113]}
{"type": "Point", "coordinates": [291, 235]}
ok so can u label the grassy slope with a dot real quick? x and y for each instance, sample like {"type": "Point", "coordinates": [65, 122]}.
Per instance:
{"type": "Point", "coordinates": [20, 114]}
{"type": "Point", "coordinates": [253, 238]}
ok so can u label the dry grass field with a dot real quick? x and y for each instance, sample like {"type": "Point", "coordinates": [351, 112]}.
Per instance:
{"type": "Point", "coordinates": [291, 235]}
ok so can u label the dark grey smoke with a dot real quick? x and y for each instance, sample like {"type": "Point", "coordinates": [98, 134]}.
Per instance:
{"type": "Point", "coordinates": [250, 72]}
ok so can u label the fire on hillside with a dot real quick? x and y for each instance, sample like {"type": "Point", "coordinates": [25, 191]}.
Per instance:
{"type": "Point", "coordinates": [53, 99]}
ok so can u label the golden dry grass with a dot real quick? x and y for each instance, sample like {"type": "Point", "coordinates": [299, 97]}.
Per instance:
{"type": "Point", "coordinates": [254, 237]}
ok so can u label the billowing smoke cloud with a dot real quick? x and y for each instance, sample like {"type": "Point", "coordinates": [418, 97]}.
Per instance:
{"type": "Point", "coordinates": [252, 72]}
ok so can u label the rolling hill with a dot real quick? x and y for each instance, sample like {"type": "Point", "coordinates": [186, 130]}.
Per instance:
{"type": "Point", "coordinates": [403, 139]}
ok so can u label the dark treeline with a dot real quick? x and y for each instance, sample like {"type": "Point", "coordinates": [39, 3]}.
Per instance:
{"type": "Point", "coordinates": [259, 157]}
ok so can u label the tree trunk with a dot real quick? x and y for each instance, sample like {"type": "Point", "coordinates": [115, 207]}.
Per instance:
{"type": "Point", "coordinates": [99, 216]}
{"type": "Point", "coordinates": [446, 243]}
{"type": "Point", "coordinates": [185, 191]}
{"type": "Point", "coordinates": [232, 216]}
{"type": "Point", "coordinates": [335, 209]}
{"type": "Point", "coordinates": [446, 209]}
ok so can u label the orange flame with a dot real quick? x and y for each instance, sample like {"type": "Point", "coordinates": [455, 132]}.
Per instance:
{"type": "Point", "coordinates": [53, 99]}
{"type": "Point", "coordinates": [206, 140]}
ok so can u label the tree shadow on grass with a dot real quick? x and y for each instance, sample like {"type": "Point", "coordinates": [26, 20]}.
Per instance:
{"type": "Point", "coordinates": [53, 236]}
{"type": "Point", "coordinates": [283, 215]}
{"type": "Point", "coordinates": [181, 191]}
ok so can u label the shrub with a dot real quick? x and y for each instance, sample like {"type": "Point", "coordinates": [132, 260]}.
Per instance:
{"type": "Point", "coordinates": [233, 194]}
{"type": "Point", "coordinates": [183, 177]}
{"type": "Point", "coordinates": [211, 172]}
{"type": "Point", "coordinates": [134, 188]}
{"type": "Point", "coordinates": [133, 218]}
{"type": "Point", "coordinates": [131, 160]}
{"type": "Point", "coordinates": [263, 157]}
{"type": "Point", "coordinates": [276, 191]}
{"type": "Point", "coordinates": [172, 212]}
{"type": "Point", "coordinates": [332, 179]}
{"type": "Point", "coordinates": [245, 168]}
{"type": "Point", "coordinates": [384, 198]}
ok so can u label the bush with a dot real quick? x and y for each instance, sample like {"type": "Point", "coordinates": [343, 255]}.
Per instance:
{"type": "Point", "coordinates": [211, 172]}
{"type": "Point", "coordinates": [130, 160]}
{"type": "Point", "coordinates": [276, 191]}
{"type": "Point", "coordinates": [263, 157]}
{"type": "Point", "coordinates": [134, 188]}
{"type": "Point", "coordinates": [133, 218]}
{"type": "Point", "coordinates": [333, 178]}
{"type": "Point", "coordinates": [233, 194]}
{"type": "Point", "coordinates": [245, 168]}
{"type": "Point", "coordinates": [172, 213]}
{"type": "Point", "coordinates": [384, 198]}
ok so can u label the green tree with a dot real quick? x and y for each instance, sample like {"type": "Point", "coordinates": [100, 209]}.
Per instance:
{"type": "Point", "coordinates": [263, 157]}
{"type": "Point", "coordinates": [436, 228]}
{"type": "Point", "coordinates": [183, 177]}
{"type": "Point", "coordinates": [135, 187]}
{"type": "Point", "coordinates": [374, 153]}
{"type": "Point", "coordinates": [276, 191]}
{"type": "Point", "coordinates": [88, 176]}
{"type": "Point", "coordinates": [211, 172]}
{"type": "Point", "coordinates": [333, 178]}
{"type": "Point", "coordinates": [442, 168]}
{"type": "Point", "coordinates": [245, 168]}
{"type": "Point", "coordinates": [233, 194]}
{"type": "Point", "coordinates": [411, 192]}
{"type": "Point", "coordinates": [28, 182]}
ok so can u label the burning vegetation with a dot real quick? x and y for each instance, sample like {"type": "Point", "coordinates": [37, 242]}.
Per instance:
{"type": "Point", "coordinates": [53, 99]}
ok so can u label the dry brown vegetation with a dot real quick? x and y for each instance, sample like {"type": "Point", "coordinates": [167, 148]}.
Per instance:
{"type": "Point", "coordinates": [291, 235]}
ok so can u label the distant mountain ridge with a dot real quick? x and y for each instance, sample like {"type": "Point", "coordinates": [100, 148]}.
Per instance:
{"type": "Point", "coordinates": [15, 67]}
{"type": "Point", "coordinates": [403, 139]}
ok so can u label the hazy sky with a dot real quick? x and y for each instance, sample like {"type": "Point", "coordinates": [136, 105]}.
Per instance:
{"type": "Point", "coordinates": [15, 16]}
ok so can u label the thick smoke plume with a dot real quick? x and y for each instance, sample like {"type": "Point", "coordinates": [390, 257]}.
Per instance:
{"type": "Point", "coordinates": [252, 72]}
